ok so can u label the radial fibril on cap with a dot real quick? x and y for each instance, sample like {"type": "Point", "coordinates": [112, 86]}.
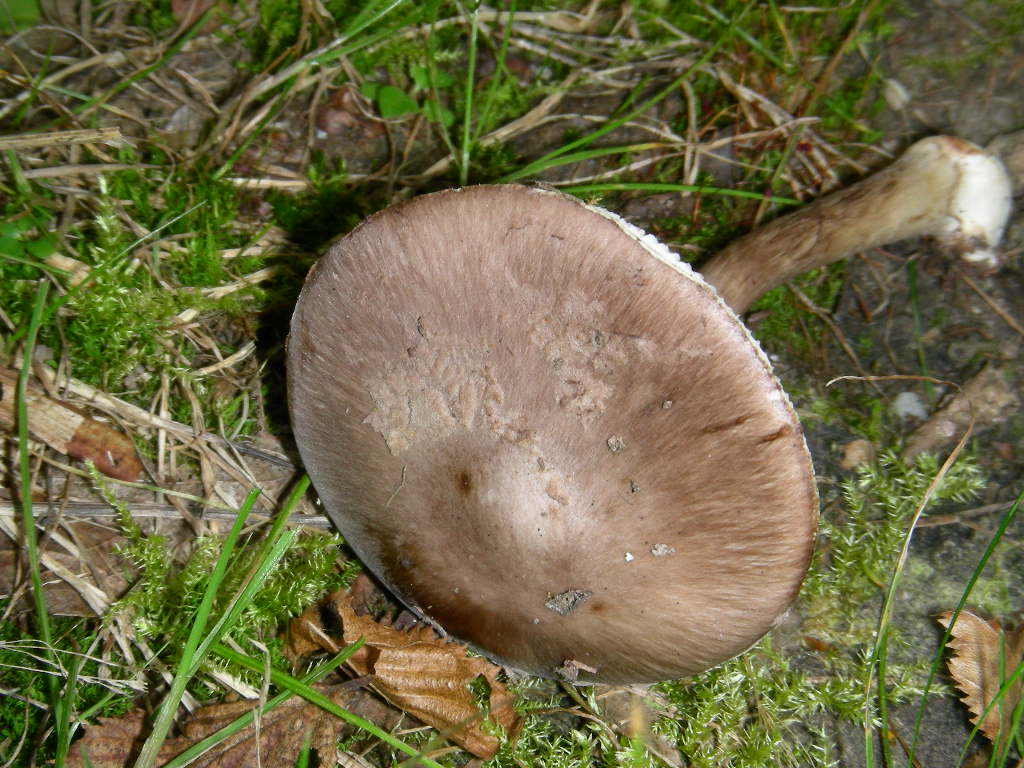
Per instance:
{"type": "Point", "coordinates": [478, 382]}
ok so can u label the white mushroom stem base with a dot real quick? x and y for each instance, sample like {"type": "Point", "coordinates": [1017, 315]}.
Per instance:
{"type": "Point", "coordinates": [943, 187]}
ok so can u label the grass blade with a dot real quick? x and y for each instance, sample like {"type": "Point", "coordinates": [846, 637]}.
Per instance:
{"type": "Point", "coordinates": [176, 46]}
{"type": "Point", "coordinates": [315, 697]}
{"type": "Point", "coordinates": [246, 720]}
{"type": "Point", "coordinates": [879, 654]}
{"type": "Point", "coordinates": [554, 158]}
{"type": "Point", "coordinates": [58, 702]}
{"type": "Point", "coordinates": [500, 71]}
{"type": "Point", "coordinates": [190, 659]}
{"type": "Point", "coordinates": [993, 543]}
{"type": "Point", "coordinates": [467, 117]}
{"type": "Point", "coordinates": [643, 186]}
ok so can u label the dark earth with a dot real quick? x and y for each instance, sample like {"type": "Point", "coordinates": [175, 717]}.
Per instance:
{"type": "Point", "coordinates": [940, 53]}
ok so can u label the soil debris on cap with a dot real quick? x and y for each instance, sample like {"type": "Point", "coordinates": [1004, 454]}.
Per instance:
{"type": "Point", "coordinates": [566, 602]}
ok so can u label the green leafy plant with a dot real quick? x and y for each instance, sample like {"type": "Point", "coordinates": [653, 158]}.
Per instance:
{"type": "Point", "coordinates": [21, 239]}
{"type": "Point", "coordinates": [392, 102]}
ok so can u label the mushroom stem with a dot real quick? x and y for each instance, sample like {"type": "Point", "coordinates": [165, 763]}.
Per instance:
{"type": "Point", "coordinates": [942, 187]}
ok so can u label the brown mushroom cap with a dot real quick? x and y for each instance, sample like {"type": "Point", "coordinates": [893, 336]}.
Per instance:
{"type": "Point", "coordinates": [549, 437]}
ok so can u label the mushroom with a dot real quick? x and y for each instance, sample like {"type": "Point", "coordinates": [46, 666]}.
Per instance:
{"type": "Point", "coordinates": [554, 440]}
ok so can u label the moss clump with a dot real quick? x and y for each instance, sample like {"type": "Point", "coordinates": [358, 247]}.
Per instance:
{"type": "Point", "coordinates": [151, 251]}
{"type": "Point", "coordinates": [784, 322]}
{"type": "Point", "coordinates": [862, 546]}
{"type": "Point", "coordinates": [166, 596]}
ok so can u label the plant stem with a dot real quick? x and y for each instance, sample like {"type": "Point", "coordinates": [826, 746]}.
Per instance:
{"type": "Point", "coordinates": [467, 118]}
{"type": "Point", "coordinates": [57, 702]}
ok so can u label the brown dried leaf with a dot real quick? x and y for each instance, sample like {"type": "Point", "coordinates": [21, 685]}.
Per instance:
{"type": "Point", "coordinates": [416, 671]}
{"type": "Point", "coordinates": [65, 429]}
{"type": "Point", "coordinates": [115, 742]}
{"type": "Point", "coordinates": [981, 648]}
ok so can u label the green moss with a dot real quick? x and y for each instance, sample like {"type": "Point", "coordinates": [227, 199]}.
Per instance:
{"type": "Point", "coordinates": [860, 548]}
{"type": "Point", "coordinates": [165, 595]}
{"type": "Point", "coordinates": [856, 411]}
{"type": "Point", "coordinates": [155, 15]}
{"type": "Point", "coordinates": [758, 710]}
{"type": "Point", "coordinates": [784, 322]}
{"type": "Point", "coordinates": [119, 324]}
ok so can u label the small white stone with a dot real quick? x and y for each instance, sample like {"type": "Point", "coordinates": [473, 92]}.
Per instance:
{"type": "Point", "coordinates": [896, 94]}
{"type": "Point", "coordinates": [629, 557]}
{"type": "Point", "coordinates": [908, 405]}
{"type": "Point", "coordinates": [662, 550]}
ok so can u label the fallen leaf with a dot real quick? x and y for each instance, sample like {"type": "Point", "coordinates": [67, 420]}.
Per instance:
{"type": "Point", "coordinates": [67, 430]}
{"type": "Point", "coordinates": [983, 649]}
{"type": "Point", "coordinates": [115, 742]}
{"type": "Point", "coordinates": [416, 671]}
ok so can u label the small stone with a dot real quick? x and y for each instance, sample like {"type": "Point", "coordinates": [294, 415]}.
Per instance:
{"type": "Point", "coordinates": [895, 93]}
{"type": "Point", "coordinates": [629, 557]}
{"type": "Point", "coordinates": [857, 453]}
{"type": "Point", "coordinates": [908, 405]}
{"type": "Point", "coordinates": [662, 550]}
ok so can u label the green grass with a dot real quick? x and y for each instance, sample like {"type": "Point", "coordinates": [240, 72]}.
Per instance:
{"type": "Point", "coordinates": [115, 323]}
{"type": "Point", "coordinates": [23, 712]}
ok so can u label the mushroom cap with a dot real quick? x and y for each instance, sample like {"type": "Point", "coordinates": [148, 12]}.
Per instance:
{"type": "Point", "coordinates": [549, 437]}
